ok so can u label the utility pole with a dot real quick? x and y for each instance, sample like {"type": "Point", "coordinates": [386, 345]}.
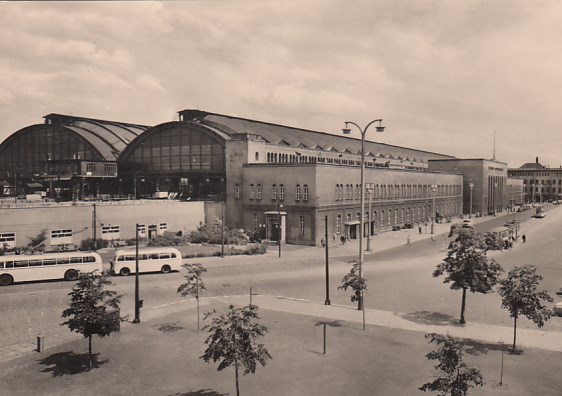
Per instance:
{"type": "Point", "coordinates": [327, 302]}
{"type": "Point", "coordinates": [222, 230]}
{"type": "Point", "coordinates": [94, 228]}
{"type": "Point", "coordinates": [137, 300]}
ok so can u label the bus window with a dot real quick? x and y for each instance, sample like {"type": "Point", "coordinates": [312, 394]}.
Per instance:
{"type": "Point", "coordinates": [76, 260]}
{"type": "Point", "coordinates": [62, 260]}
{"type": "Point", "coordinates": [9, 264]}
{"type": "Point", "coordinates": [49, 262]}
{"type": "Point", "coordinates": [35, 263]}
{"type": "Point", "coordinates": [21, 263]}
{"type": "Point", "coordinates": [154, 256]}
{"type": "Point", "coordinates": [130, 258]}
{"type": "Point", "coordinates": [164, 255]}
{"type": "Point", "coordinates": [121, 258]}
{"type": "Point", "coordinates": [143, 256]}
{"type": "Point", "coordinates": [1, 264]}
{"type": "Point", "coordinates": [173, 255]}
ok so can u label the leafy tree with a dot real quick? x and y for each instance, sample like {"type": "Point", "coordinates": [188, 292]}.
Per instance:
{"type": "Point", "coordinates": [356, 282]}
{"type": "Point", "coordinates": [455, 377]}
{"type": "Point", "coordinates": [93, 310]}
{"type": "Point", "coordinates": [520, 297]}
{"type": "Point", "coordinates": [37, 242]}
{"type": "Point", "coordinates": [193, 284]}
{"type": "Point", "coordinates": [467, 266]}
{"type": "Point", "coordinates": [233, 340]}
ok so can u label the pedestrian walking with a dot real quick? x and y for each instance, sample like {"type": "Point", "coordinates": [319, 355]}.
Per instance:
{"type": "Point", "coordinates": [334, 237]}
{"type": "Point", "coordinates": [342, 239]}
{"type": "Point", "coordinates": [408, 242]}
{"type": "Point", "coordinates": [347, 239]}
{"type": "Point", "coordinates": [524, 238]}
{"type": "Point", "coordinates": [323, 242]}
{"type": "Point", "coordinates": [420, 230]}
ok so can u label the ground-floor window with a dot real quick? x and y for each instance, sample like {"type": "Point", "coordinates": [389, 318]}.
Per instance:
{"type": "Point", "coordinates": [7, 240]}
{"type": "Point", "coordinates": [301, 225]}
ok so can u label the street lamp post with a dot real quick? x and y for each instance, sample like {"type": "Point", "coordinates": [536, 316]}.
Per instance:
{"type": "Point", "coordinates": [523, 193]}
{"type": "Point", "coordinates": [433, 190]}
{"type": "Point", "coordinates": [471, 186]}
{"type": "Point", "coordinates": [347, 131]}
{"type": "Point", "coordinates": [327, 301]}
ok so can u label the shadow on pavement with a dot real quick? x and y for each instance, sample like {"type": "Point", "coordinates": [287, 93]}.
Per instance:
{"type": "Point", "coordinates": [168, 327]}
{"type": "Point", "coordinates": [69, 363]}
{"type": "Point", "coordinates": [432, 318]}
{"type": "Point", "coordinates": [474, 347]}
{"type": "Point", "coordinates": [201, 392]}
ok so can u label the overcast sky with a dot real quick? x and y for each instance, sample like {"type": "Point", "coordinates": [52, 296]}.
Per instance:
{"type": "Point", "coordinates": [442, 74]}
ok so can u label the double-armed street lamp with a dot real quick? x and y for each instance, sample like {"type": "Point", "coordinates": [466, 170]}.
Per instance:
{"type": "Point", "coordinates": [471, 186]}
{"type": "Point", "coordinates": [363, 131]}
{"type": "Point", "coordinates": [279, 206]}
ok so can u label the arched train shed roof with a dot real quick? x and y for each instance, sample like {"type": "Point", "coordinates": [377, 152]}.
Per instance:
{"type": "Point", "coordinates": [109, 138]}
{"type": "Point", "coordinates": [301, 138]}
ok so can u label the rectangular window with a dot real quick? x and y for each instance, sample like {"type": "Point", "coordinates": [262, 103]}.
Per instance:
{"type": "Point", "coordinates": [252, 191]}
{"type": "Point", "coordinates": [281, 192]}
{"type": "Point", "coordinates": [301, 225]}
{"type": "Point", "coordinates": [305, 193]}
{"type": "Point", "coordinates": [163, 227]}
{"type": "Point", "coordinates": [110, 229]}
{"type": "Point", "coordinates": [61, 233]}
{"type": "Point", "coordinates": [274, 192]}
{"type": "Point", "coordinates": [258, 191]}
{"type": "Point", "coordinates": [298, 193]}
{"type": "Point", "coordinates": [237, 192]}
{"type": "Point", "coordinates": [8, 239]}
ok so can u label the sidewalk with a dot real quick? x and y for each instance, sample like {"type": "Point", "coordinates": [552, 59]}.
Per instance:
{"type": "Point", "coordinates": [526, 338]}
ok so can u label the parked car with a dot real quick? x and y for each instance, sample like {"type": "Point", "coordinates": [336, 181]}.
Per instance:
{"type": "Point", "coordinates": [467, 223]}
{"type": "Point", "coordinates": [558, 309]}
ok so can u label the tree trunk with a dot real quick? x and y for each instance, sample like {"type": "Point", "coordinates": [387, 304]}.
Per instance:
{"type": "Point", "coordinates": [90, 351]}
{"type": "Point", "coordinates": [359, 301]}
{"type": "Point", "coordinates": [236, 371]}
{"type": "Point", "coordinates": [197, 313]}
{"type": "Point", "coordinates": [514, 332]}
{"type": "Point", "coordinates": [463, 305]}
{"type": "Point", "coordinates": [197, 298]}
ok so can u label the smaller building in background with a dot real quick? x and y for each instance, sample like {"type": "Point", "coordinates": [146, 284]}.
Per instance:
{"type": "Point", "coordinates": [540, 183]}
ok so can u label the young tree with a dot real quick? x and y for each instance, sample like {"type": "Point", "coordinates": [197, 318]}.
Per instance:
{"type": "Point", "coordinates": [233, 340]}
{"type": "Point", "coordinates": [520, 297]}
{"type": "Point", "coordinates": [467, 266]}
{"type": "Point", "coordinates": [194, 284]}
{"type": "Point", "coordinates": [455, 377]}
{"type": "Point", "coordinates": [93, 310]}
{"type": "Point", "coordinates": [356, 283]}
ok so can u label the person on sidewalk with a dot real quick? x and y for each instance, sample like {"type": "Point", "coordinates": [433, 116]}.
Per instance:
{"type": "Point", "coordinates": [323, 242]}
{"type": "Point", "coordinates": [408, 242]}
{"type": "Point", "coordinates": [524, 238]}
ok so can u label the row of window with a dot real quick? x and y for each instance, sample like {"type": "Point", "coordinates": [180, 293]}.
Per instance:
{"type": "Point", "coordinates": [349, 191]}
{"type": "Point", "coordinates": [404, 215]}
{"type": "Point", "coordinates": [298, 158]}
{"type": "Point", "coordinates": [47, 261]}
{"type": "Point", "coordinates": [277, 192]}
{"type": "Point", "coordinates": [535, 174]}
{"type": "Point", "coordinates": [8, 239]}
{"type": "Point", "coordinates": [151, 256]}
{"type": "Point", "coordinates": [548, 182]}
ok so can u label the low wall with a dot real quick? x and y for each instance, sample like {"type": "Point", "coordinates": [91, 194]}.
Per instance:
{"type": "Point", "coordinates": [27, 220]}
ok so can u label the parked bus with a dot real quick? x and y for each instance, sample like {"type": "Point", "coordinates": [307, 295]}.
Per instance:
{"type": "Point", "coordinates": [163, 259]}
{"type": "Point", "coordinates": [38, 267]}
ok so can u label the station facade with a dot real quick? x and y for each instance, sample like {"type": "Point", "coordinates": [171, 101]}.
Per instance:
{"type": "Point", "coordinates": [275, 181]}
{"type": "Point", "coordinates": [540, 183]}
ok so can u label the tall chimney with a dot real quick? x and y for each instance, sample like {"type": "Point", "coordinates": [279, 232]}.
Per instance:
{"type": "Point", "coordinates": [537, 160]}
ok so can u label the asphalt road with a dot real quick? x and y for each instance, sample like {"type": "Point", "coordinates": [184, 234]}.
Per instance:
{"type": "Point", "coordinates": [399, 280]}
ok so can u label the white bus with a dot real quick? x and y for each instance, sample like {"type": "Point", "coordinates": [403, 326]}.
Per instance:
{"type": "Point", "coordinates": [163, 259]}
{"type": "Point", "coordinates": [38, 267]}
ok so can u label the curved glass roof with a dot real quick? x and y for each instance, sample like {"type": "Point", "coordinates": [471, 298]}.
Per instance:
{"type": "Point", "coordinates": [110, 138]}
{"type": "Point", "coordinates": [296, 137]}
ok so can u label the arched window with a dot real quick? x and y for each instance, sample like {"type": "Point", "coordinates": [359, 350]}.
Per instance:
{"type": "Point", "coordinates": [237, 191]}
{"type": "Point", "coordinates": [337, 192]}
{"type": "Point", "coordinates": [252, 191]}
{"type": "Point", "coordinates": [298, 193]}
{"type": "Point", "coordinates": [305, 192]}
{"type": "Point", "coordinates": [274, 192]}
{"type": "Point", "coordinates": [281, 192]}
